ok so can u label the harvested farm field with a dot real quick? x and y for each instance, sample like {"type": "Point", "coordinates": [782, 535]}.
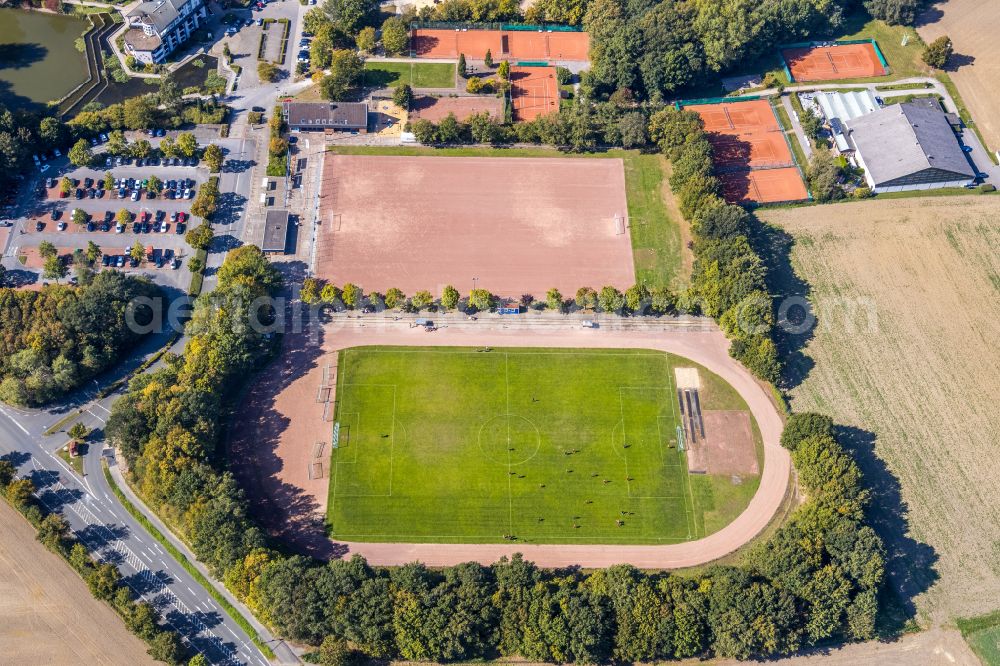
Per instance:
{"type": "Point", "coordinates": [975, 68]}
{"type": "Point", "coordinates": [907, 298]}
{"type": "Point", "coordinates": [47, 614]}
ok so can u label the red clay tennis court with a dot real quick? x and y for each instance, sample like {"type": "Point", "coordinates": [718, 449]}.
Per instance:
{"type": "Point", "coordinates": [502, 44]}
{"type": "Point", "coordinates": [763, 186]}
{"type": "Point", "coordinates": [534, 92]}
{"type": "Point", "coordinates": [518, 225]}
{"type": "Point", "coordinates": [750, 153]}
{"type": "Point", "coordinates": [830, 63]}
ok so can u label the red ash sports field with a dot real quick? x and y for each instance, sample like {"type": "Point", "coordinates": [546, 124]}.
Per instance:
{"type": "Point", "coordinates": [751, 153]}
{"type": "Point", "coordinates": [519, 225]}
{"type": "Point", "coordinates": [830, 63]}
{"type": "Point", "coordinates": [534, 91]}
{"type": "Point", "coordinates": [502, 44]}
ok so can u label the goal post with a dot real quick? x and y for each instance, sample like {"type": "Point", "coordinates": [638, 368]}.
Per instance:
{"type": "Point", "coordinates": [336, 434]}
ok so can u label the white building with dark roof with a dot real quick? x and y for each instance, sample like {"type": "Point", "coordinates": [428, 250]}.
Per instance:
{"type": "Point", "coordinates": [326, 116]}
{"type": "Point", "coordinates": [908, 147]}
{"type": "Point", "coordinates": [158, 27]}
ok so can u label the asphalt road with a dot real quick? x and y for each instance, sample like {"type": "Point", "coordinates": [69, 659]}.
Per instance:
{"type": "Point", "coordinates": [110, 532]}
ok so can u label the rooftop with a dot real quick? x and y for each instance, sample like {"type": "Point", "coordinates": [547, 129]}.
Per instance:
{"type": "Point", "coordinates": [275, 231]}
{"type": "Point", "coordinates": [343, 115]}
{"type": "Point", "coordinates": [903, 139]}
{"type": "Point", "coordinates": [846, 106]}
{"type": "Point", "coordinates": [159, 13]}
{"type": "Point", "coordinates": [140, 41]}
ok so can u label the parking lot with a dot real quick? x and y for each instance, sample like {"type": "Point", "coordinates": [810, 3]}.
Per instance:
{"type": "Point", "coordinates": [157, 222]}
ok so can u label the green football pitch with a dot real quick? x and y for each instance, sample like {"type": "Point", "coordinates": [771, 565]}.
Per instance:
{"type": "Point", "coordinates": [538, 445]}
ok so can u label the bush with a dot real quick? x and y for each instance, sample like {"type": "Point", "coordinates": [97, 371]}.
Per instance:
{"type": "Point", "coordinates": [936, 53]}
{"type": "Point", "coordinates": [803, 426]}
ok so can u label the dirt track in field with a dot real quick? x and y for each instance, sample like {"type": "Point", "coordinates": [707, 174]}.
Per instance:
{"type": "Point", "coordinates": [975, 67]}
{"type": "Point", "coordinates": [47, 614]}
{"type": "Point", "coordinates": [282, 406]}
{"type": "Point", "coordinates": [907, 295]}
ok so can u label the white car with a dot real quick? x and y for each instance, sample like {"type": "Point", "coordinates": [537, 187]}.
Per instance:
{"type": "Point", "coordinates": [135, 195]}
{"type": "Point", "coordinates": [119, 228]}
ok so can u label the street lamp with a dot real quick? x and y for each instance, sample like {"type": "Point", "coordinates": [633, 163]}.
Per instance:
{"type": "Point", "coordinates": [474, 281]}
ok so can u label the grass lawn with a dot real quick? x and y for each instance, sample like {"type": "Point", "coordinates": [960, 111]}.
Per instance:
{"type": "Point", "coordinates": [544, 445]}
{"type": "Point", "coordinates": [417, 74]}
{"type": "Point", "coordinates": [75, 462]}
{"type": "Point", "coordinates": [983, 636]}
{"type": "Point", "coordinates": [655, 235]}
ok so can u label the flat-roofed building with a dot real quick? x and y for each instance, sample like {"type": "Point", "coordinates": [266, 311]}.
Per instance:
{"type": "Point", "coordinates": [326, 116]}
{"type": "Point", "coordinates": [275, 232]}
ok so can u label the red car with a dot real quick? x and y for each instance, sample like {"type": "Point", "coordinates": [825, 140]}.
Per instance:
{"type": "Point", "coordinates": [181, 217]}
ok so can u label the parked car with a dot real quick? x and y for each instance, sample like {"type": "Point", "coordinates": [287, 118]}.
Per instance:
{"type": "Point", "coordinates": [88, 182]}
{"type": "Point", "coordinates": [138, 161]}
{"type": "Point", "coordinates": [79, 193]}
{"type": "Point", "coordinates": [121, 261]}
{"type": "Point", "coordinates": [39, 225]}
{"type": "Point", "coordinates": [119, 228]}
{"type": "Point", "coordinates": [179, 229]}
{"type": "Point", "coordinates": [106, 260]}
{"type": "Point", "coordinates": [90, 226]}
{"type": "Point", "coordinates": [104, 137]}
{"type": "Point", "coordinates": [61, 226]}
{"type": "Point", "coordinates": [135, 195]}
{"type": "Point", "coordinates": [100, 194]}
{"type": "Point", "coordinates": [182, 217]}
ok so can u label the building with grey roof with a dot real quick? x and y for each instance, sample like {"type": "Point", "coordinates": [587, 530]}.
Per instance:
{"type": "Point", "coordinates": [908, 147]}
{"type": "Point", "coordinates": [158, 27]}
{"type": "Point", "coordinates": [276, 225]}
{"type": "Point", "coordinates": [326, 116]}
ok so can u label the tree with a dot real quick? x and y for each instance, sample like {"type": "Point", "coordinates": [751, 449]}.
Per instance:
{"type": "Point", "coordinates": [802, 425]}
{"type": "Point", "coordinates": [309, 292]}
{"type": "Point", "coordinates": [141, 148]}
{"type": "Point", "coordinates": [154, 184]}
{"type": "Point", "coordinates": [352, 295]}
{"type": "Point", "coordinates": [395, 37]}
{"type": "Point", "coordinates": [213, 157]}
{"type": "Point", "coordinates": [109, 181]}
{"type": "Point", "coordinates": [65, 186]}
{"type": "Point", "coordinates": [103, 581]}
{"type": "Point", "coordinates": [79, 217]}
{"type": "Point", "coordinates": [812, 125]}
{"type": "Point", "coordinates": [635, 296]}
{"type": "Point", "coordinates": [330, 294]}
{"type": "Point", "coordinates": [480, 299]}
{"type": "Point", "coordinates": [554, 300]}
{"type": "Point", "coordinates": [123, 217]}
{"type": "Point", "coordinates": [78, 432]}
{"type": "Point", "coordinates": [206, 202]}
{"type": "Point", "coordinates": [488, 58]}
{"type": "Point", "coordinates": [346, 68]}
{"type": "Point", "coordinates": [449, 130]}
{"type": "Point", "coordinates": [93, 252]}
{"type": "Point", "coordinates": [424, 131]}
{"type": "Point", "coordinates": [610, 299]}
{"type": "Point", "coordinates": [80, 154]}
{"type": "Point", "coordinates": [166, 646]}
{"type": "Point", "coordinates": [350, 15]}
{"type": "Point", "coordinates": [117, 144]}
{"type": "Point", "coordinates": [169, 94]}
{"type": "Point", "coordinates": [200, 237]}
{"type": "Point", "coordinates": [315, 21]}
{"type": "Point", "coordinates": [394, 297]}
{"type": "Point", "coordinates": [47, 250]}
{"type": "Point", "coordinates": [463, 68]}
{"type": "Point", "coordinates": [19, 493]}
{"type": "Point", "coordinates": [503, 71]}
{"type": "Point", "coordinates": [268, 71]}
{"type": "Point", "coordinates": [137, 253]}
{"type": "Point", "coordinates": [586, 298]}
{"type": "Point", "coordinates": [449, 297]}
{"type": "Point", "coordinates": [321, 49]}
{"type": "Point", "coordinates": [422, 299]}
{"type": "Point", "coordinates": [137, 113]}
{"type": "Point", "coordinates": [632, 128]}
{"type": "Point", "coordinates": [937, 52]}
{"type": "Point", "coordinates": [53, 532]}
{"type": "Point", "coordinates": [333, 651]}
{"type": "Point", "coordinates": [894, 12]}
{"type": "Point", "coordinates": [365, 41]}
{"type": "Point", "coordinates": [824, 176]}
{"type": "Point", "coordinates": [402, 96]}
{"type": "Point", "coordinates": [52, 132]}
{"type": "Point", "coordinates": [187, 145]}
{"type": "Point", "coordinates": [168, 147]}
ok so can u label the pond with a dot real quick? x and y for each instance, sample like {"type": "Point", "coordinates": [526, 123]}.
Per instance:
{"type": "Point", "coordinates": [38, 61]}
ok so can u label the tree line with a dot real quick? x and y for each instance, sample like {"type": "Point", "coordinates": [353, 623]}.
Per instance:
{"type": "Point", "coordinates": [816, 579]}
{"type": "Point", "coordinates": [55, 339]}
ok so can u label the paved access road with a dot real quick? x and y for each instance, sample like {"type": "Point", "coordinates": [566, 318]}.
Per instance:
{"type": "Point", "coordinates": [112, 535]}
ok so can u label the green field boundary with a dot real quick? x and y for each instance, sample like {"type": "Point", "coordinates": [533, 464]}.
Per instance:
{"type": "Point", "coordinates": [651, 227]}
{"type": "Point", "coordinates": [186, 563]}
